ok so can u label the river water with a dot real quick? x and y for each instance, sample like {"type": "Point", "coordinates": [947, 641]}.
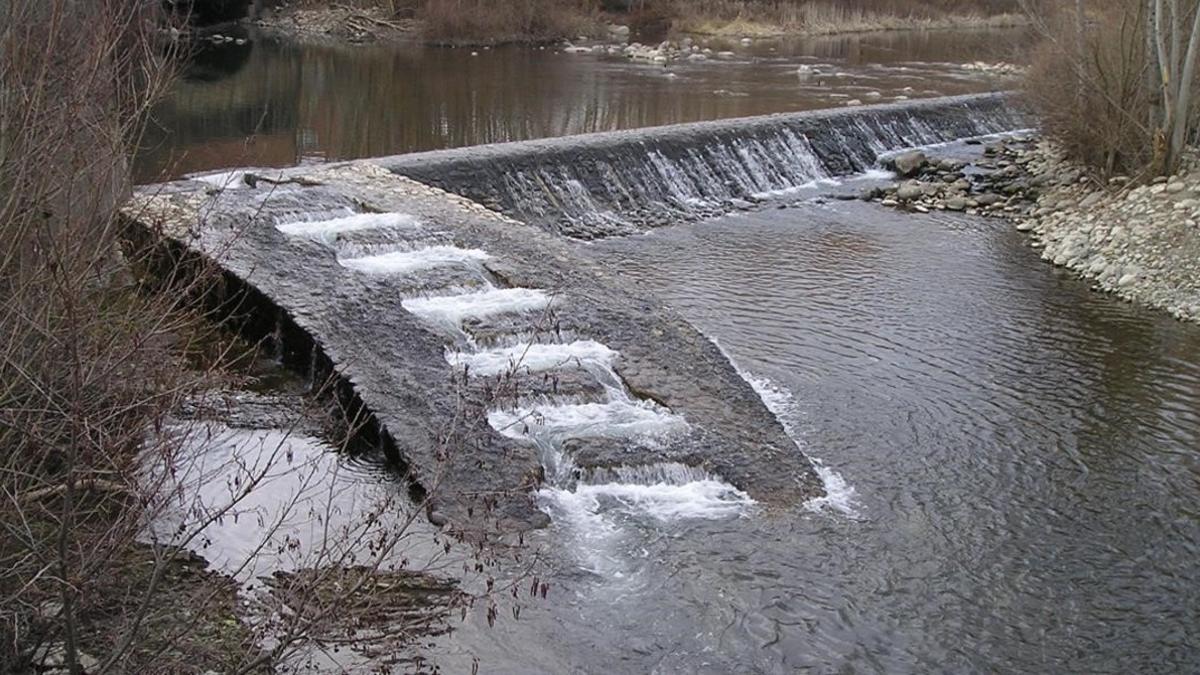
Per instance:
{"type": "Point", "coordinates": [271, 102]}
{"type": "Point", "coordinates": [1013, 460]}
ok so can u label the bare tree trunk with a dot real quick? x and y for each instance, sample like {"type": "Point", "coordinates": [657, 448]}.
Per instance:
{"type": "Point", "coordinates": [1182, 116]}
{"type": "Point", "coordinates": [1153, 81]}
{"type": "Point", "coordinates": [1080, 55]}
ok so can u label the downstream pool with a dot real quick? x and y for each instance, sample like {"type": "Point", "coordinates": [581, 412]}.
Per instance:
{"type": "Point", "coordinates": [1014, 463]}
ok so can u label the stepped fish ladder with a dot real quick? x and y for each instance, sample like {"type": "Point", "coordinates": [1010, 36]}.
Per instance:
{"type": "Point", "coordinates": [618, 183]}
{"type": "Point", "coordinates": [421, 302]}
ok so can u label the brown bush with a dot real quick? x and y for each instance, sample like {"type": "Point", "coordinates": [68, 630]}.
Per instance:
{"type": "Point", "coordinates": [88, 363]}
{"type": "Point", "coordinates": [1093, 96]}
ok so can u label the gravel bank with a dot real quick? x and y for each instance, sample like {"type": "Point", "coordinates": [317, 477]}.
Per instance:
{"type": "Point", "coordinates": [1140, 243]}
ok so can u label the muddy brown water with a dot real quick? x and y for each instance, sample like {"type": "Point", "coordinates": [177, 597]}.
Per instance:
{"type": "Point", "coordinates": [271, 102]}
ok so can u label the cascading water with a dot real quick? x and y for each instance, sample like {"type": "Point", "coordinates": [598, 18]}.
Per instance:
{"type": "Point", "coordinates": [620, 183]}
{"type": "Point", "coordinates": [401, 247]}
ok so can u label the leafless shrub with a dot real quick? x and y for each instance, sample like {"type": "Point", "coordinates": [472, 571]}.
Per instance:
{"type": "Point", "coordinates": [94, 363]}
{"type": "Point", "coordinates": [86, 362]}
{"type": "Point", "coordinates": [1089, 87]}
{"type": "Point", "coordinates": [1113, 81]}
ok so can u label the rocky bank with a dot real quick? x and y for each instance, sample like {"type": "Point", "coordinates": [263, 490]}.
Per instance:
{"type": "Point", "coordinates": [1138, 242]}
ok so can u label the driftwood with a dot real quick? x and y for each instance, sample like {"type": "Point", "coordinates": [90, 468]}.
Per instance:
{"type": "Point", "coordinates": [96, 484]}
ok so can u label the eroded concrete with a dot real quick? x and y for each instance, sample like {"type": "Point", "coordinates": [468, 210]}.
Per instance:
{"type": "Point", "coordinates": [434, 415]}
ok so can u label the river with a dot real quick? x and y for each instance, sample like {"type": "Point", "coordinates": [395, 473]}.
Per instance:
{"type": "Point", "coordinates": [1013, 460]}
{"type": "Point", "coordinates": [270, 102]}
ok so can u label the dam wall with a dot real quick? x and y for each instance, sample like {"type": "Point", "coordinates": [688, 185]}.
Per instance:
{"type": "Point", "coordinates": [497, 362]}
{"type": "Point", "coordinates": [618, 183]}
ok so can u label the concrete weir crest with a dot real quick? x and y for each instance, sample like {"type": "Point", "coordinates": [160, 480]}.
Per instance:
{"type": "Point", "coordinates": [494, 359]}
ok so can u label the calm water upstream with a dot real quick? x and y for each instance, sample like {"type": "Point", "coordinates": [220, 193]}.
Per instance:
{"type": "Point", "coordinates": [1017, 462]}
{"type": "Point", "coordinates": [272, 103]}
{"type": "Point", "coordinates": [1014, 461]}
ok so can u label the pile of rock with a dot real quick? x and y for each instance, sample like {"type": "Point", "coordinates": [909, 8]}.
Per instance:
{"type": "Point", "coordinates": [664, 52]}
{"type": "Point", "coordinates": [1140, 243]}
{"type": "Point", "coordinates": [995, 186]}
{"type": "Point", "coordinates": [217, 39]}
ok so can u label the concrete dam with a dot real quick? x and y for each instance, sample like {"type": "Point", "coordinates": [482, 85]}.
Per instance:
{"type": "Point", "coordinates": [443, 291]}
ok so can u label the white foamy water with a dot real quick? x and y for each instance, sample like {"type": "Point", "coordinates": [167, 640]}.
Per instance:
{"type": "Point", "coordinates": [703, 499]}
{"type": "Point", "coordinates": [660, 473]}
{"type": "Point", "coordinates": [666, 491]}
{"type": "Point", "coordinates": [839, 495]}
{"type": "Point", "coordinates": [615, 419]}
{"type": "Point", "coordinates": [534, 357]}
{"type": "Point", "coordinates": [327, 229]}
{"type": "Point", "coordinates": [408, 262]}
{"type": "Point", "coordinates": [452, 309]}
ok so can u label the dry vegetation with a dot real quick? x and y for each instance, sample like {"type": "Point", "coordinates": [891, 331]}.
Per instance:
{"type": "Point", "coordinates": [1113, 81]}
{"type": "Point", "coordinates": [820, 17]}
{"type": "Point", "coordinates": [1101, 120]}
{"type": "Point", "coordinates": [489, 22]}
{"type": "Point", "coordinates": [102, 342]}
{"type": "Point", "coordinates": [88, 364]}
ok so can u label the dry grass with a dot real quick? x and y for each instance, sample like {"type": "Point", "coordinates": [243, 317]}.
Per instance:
{"type": "Point", "coordinates": [781, 17]}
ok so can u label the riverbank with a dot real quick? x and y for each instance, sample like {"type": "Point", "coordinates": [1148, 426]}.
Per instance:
{"type": "Point", "coordinates": [562, 21]}
{"type": "Point", "coordinates": [1139, 243]}
{"type": "Point", "coordinates": [837, 22]}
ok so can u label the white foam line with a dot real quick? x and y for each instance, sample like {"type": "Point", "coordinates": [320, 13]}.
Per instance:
{"type": "Point", "coordinates": [839, 495]}
{"type": "Point", "coordinates": [327, 229]}
{"type": "Point", "coordinates": [407, 262]}
{"type": "Point", "coordinates": [955, 141]}
{"type": "Point", "coordinates": [702, 499]}
{"type": "Point", "coordinates": [816, 182]}
{"type": "Point", "coordinates": [454, 308]}
{"type": "Point", "coordinates": [534, 357]}
{"type": "Point", "coordinates": [616, 419]}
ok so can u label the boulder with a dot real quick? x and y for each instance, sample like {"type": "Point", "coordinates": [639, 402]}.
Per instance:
{"type": "Point", "coordinates": [909, 191]}
{"type": "Point", "coordinates": [908, 164]}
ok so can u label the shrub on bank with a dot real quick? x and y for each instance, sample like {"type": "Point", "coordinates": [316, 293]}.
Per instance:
{"type": "Point", "coordinates": [1113, 82]}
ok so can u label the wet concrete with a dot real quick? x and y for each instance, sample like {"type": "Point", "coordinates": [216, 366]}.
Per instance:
{"type": "Point", "coordinates": [432, 416]}
{"type": "Point", "coordinates": [620, 183]}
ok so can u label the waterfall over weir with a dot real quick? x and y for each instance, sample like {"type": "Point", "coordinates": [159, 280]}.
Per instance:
{"type": "Point", "coordinates": [622, 182]}
{"type": "Point", "coordinates": [499, 367]}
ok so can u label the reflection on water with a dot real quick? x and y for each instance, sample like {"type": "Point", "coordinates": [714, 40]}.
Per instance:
{"type": "Point", "coordinates": [277, 103]}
